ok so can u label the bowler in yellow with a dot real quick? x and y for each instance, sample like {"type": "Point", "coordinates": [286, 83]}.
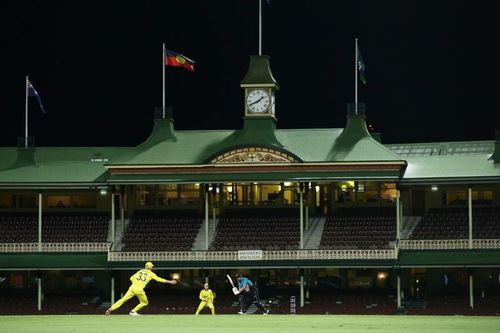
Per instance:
{"type": "Point", "coordinates": [207, 299]}
{"type": "Point", "coordinates": [139, 281]}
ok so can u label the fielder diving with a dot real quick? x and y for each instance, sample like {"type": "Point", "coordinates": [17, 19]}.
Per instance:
{"type": "Point", "coordinates": [139, 281]}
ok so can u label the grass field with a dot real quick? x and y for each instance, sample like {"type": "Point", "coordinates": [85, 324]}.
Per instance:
{"type": "Point", "coordinates": [249, 323]}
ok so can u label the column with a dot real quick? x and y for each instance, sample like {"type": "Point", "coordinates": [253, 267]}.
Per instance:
{"type": "Point", "coordinates": [122, 212]}
{"type": "Point", "coordinates": [302, 290]}
{"type": "Point", "coordinates": [206, 217]}
{"type": "Point", "coordinates": [399, 289]}
{"type": "Point", "coordinates": [469, 206]}
{"type": "Point", "coordinates": [39, 303]}
{"type": "Point", "coordinates": [301, 220]}
{"type": "Point", "coordinates": [112, 289]}
{"type": "Point", "coordinates": [471, 290]}
{"type": "Point", "coordinates": [221, 198]}
{"type": "Point", "coordinates": [398, 214]}
{"type": "Point", "coordinates": [307, 217]}
{"type": "Point", "coordinates": [113, 221]}
{"type": "Point", "coordinates": [39, 222]}
{"type": "Point", "coordinates": [214, 194]}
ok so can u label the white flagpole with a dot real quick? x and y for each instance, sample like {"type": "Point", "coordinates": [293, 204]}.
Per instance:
{"type": "Point", "coordinates": [26, 115]}
{"type": "Point", "coordinates": [356, 77]}
{"type": "Point", "coordinates": [163, 64]}
{"type": "Point", "coordinates": [260, 27]}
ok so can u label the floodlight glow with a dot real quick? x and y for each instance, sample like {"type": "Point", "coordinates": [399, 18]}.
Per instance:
{"type": "Point", "coordinates": [103, 191]}
{"type": "Point", "coordinates": [434, 188]}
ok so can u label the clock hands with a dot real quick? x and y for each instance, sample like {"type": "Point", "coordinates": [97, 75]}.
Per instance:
{"type": "Point", "coordinates": [257, 101]}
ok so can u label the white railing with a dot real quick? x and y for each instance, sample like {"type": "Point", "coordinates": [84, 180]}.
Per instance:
{"type": "Point", "coordinates": [448, 244]}
{"type": "Point", "coordinates": [266, 255]}
{"type": "Point", "coordinates": [438, 244]}
{"type": "Point", "coordinates": [53, 247]}
{"type": "Point", "coordinates": [486, 243]}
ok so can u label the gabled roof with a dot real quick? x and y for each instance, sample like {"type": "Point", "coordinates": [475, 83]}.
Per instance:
{"type": "Point", "coordinates": [452, 168]}
{"type": "Point", "coordinates": [356, 144]}
{"type": "Point", "coordinates": [427, 162]}
{"type": "Point", "coordinates": [451, 162]}
{"type": "Point", "coordinates": [52, 166]}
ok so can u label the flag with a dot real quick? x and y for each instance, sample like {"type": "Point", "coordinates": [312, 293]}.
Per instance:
{"type": "Point", "coordinates": [32, 93]}
{"type": "Point", "coordinates": [361, 67]}
{"type": "Point", "coordinates": [178, 60]}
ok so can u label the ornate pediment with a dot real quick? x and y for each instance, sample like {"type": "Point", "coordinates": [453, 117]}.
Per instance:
{"type": "Point", "coordinates": [254, 155]}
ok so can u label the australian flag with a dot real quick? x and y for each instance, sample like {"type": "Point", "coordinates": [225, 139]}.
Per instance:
{"type": "Point", "coordinates": [32, 93]}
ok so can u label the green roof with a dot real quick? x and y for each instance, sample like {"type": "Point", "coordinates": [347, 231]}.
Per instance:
{"type": "Point", "coordinates": [259, 72]}
{"type": "Point", "coordinates": [426, 162]}
{"type": "Point", "coordinates": [459, 161]}
{"type": "Point", "coordinates": [52, 166]}
{"type": "Point", "coordinates": [452, 168]}
{"type": "Point", "coordinates": [353, 144]}
{"type": "Point", "coordinates": [356, 144]}
{"type": "Point", "coordinates": [442, 148]}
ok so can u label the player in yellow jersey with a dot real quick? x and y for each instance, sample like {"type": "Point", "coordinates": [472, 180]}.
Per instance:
{"type": "Point", "coordinates": [139, 281]}
{"type": "Point", "coordinates": [207, 299]}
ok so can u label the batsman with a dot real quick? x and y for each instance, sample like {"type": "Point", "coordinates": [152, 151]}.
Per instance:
{"type": "Point", "coordinates": [207, 299]}
{"type": "Point", "coordinates": [248, 294]}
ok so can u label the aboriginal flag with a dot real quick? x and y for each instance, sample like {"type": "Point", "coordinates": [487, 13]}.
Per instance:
{"type": "Point", "coordinates": [178, 60]}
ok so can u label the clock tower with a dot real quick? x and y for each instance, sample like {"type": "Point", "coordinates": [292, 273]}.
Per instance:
{"type": "Point", "coordinates": [260, 89]}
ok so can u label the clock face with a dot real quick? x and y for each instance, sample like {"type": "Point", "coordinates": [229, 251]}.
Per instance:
{"type": "Point", "coordinates": [258, 101]}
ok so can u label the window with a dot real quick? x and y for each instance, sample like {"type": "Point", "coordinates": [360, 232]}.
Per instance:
{"type": "Point", "coordinates": [7, 201]}
{"type": "Point", "coordinates": [143, 195]}
{"type": "Point", "coordinates": [167, 195]}
{"type": "Point", "coordinates": [59, 201]}
{"type": "Point", "coordinates": [270, 193]}
{"type": "Point", "coordinates": [388, 192]}
{"type": "Point", "coordinates": [189, 193]}
{"type": "Point", "coordinates": [367, 192]}
{"type": "Point", "coordinates": [456, 198]}
{"type": "Point", "coordinates": [482, 197]}
{"type": "Point", "coordinates": [85, 201]}
{"type": "Point", "coordinates": [28, 201]}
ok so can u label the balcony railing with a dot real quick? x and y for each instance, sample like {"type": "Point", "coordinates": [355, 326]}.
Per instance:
{"type": "Point", "coordinates": [53, 247]}
{"type": "Point", "coordinates": [387, 254]}
{"type": "Point", "coordinates": [383, 254]}
{"type": "Point", "coordinates": [448, 244]}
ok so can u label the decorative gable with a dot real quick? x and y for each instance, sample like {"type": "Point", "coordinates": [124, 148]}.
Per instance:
{"type": "Point", "coordinates": [254, 155]}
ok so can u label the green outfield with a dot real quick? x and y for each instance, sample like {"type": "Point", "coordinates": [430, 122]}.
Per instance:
{"type": "Point", "coordinates": [249, 323]}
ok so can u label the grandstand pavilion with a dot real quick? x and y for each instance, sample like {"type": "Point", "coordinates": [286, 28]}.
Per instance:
{"type": "Point", "coordinates": [332, 216]}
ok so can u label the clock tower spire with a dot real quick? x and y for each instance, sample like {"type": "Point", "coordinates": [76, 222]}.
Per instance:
{"type": "Point", "coordinates": [260, 88]}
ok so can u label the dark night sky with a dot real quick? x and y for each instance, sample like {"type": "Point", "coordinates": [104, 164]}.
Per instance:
{"type": "Point", "coordinates": [432, 66]}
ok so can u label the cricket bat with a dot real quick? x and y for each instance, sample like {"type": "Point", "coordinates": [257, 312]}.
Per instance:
{"type": "Point", "coordinates": [230, 280]}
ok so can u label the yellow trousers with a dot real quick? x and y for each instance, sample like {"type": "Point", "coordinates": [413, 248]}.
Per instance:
{"type": "Point", "coordinates": [141, 295]}
{"type": "Point", "coordinates": [203, 304]}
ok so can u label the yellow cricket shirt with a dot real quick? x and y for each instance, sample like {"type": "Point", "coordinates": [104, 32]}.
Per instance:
{"type": "Point", "coordinates": [207, 294]}
{"type": "Point", "coordinates": [141, 279]}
